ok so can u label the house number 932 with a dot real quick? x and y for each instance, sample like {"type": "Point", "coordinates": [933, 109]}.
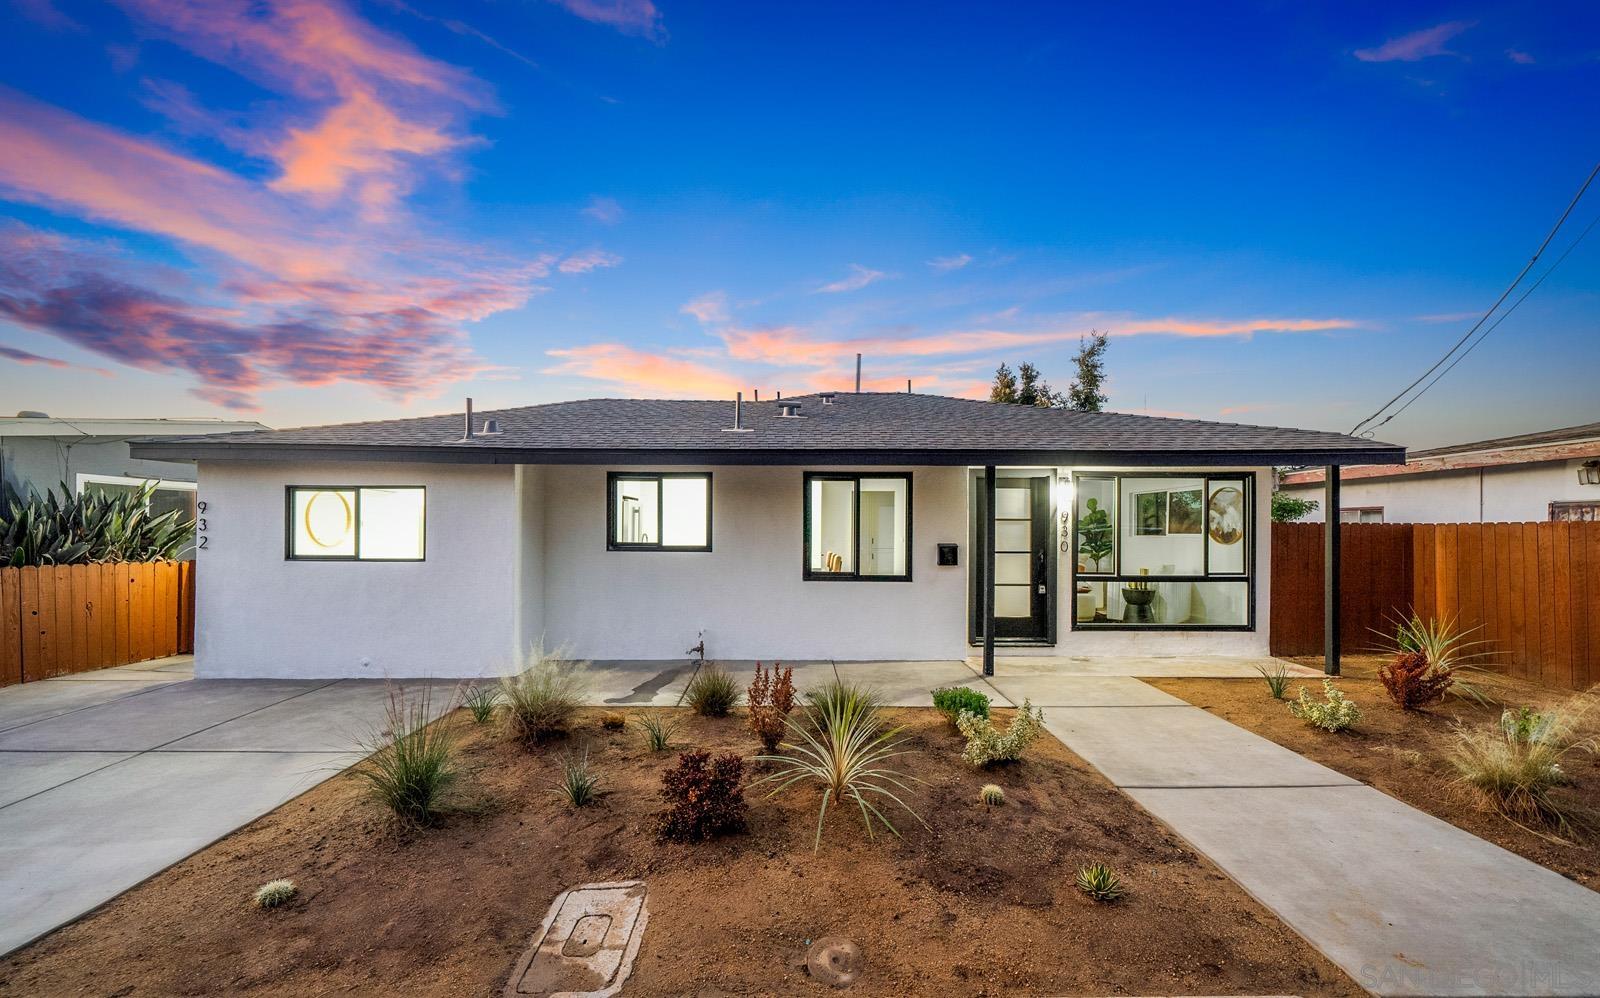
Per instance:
{"type": "Point", "coordinates": [201, 540]}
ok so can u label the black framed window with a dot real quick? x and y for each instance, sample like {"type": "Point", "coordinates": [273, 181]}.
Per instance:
{"type": "Point", "coordinates": [1164, 550]}
{"type": "Point", "coordinates": [355, 523]}
{"type": "Point", "coordinates": [857, 526]}
{"type": "Point", "coordinates": [658, 511]}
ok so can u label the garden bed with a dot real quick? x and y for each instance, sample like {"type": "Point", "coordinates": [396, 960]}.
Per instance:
{"type": "Point", "coordinates": [1406, 755]}
{"type": "Point", "coordinates": [983, 903]}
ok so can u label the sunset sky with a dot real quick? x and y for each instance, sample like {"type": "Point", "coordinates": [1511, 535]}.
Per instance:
{"type": "Point", "coordinates": [310, 211]}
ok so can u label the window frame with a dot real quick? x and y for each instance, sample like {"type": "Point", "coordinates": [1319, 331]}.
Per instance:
{"type": "Point", "coordinates": [1207, 476]}
{"type": "Point", "coordinates": [1358, 511]}
{"type": "Point", "coordinates": [808, 574]}
{"type": "Point", "coordinates": [169, 484]}
{"type": "Point", "coordinates": [613, 477]}
{"type": "Point", "coordinates": [355, 513]}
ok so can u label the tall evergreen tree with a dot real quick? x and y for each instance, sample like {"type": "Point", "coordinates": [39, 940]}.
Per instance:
{"type": "Point", "coordinates": [1084, 393]}
{"type": "Point", "coordinates": [1034, 390]}
{"type": "Point", "coordinates": [1005, 385]}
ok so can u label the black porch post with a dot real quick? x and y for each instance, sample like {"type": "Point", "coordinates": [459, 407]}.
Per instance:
{"type": "Point", "coordinates": [1330, 570]}
{"type": "Point", "coordinates": [988, 570]}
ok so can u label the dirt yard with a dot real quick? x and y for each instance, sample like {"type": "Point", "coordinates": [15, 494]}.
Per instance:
{"type": "Point", "coordinates": [983, 903]}
{"type": "Point", "coordinates": [1406, 755]}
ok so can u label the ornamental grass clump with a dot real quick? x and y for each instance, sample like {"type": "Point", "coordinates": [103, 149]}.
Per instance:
{"type": "Point", "coordinates": [1276, 676]}
{"type": "Point", "coordinates": [1334, 713]}
{"type": "Point", "coordinates": [1101, 883]}
{"type": "Point", "coordinates": [540, 700]}
{"type": "Point", "coordinates": [952, 700]}
{"type": "Point", "coordinates": [987, 745]}
{"type": "Point", "coordinates": [1514, 764]}
{"type": "Point", "coordinates": [274, 894]}
{"type": "Point", "coordinates": [704, 796]}
{"type": "Point", "coordinates": [412, 760]}
{"type": "Point", "coordinates": [842, 741]}
{"type": "Point", "coordinates": [657, 729]}
{"type": "Point", "coordinates": [481, 702]}
{"type": "Point", "coordinates": [579, 786]}
{"type": "Point", "coordinates": [712, 692]}
{"type": "Point", "coordinates": [771, 698]}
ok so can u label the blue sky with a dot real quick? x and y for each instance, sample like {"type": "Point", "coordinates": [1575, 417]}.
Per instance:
{"type": "Point", "coordinates": [307, 212]}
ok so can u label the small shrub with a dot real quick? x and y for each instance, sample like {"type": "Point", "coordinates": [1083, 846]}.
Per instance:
{"type": "Point", "coordinates": [991, 795]}
{"type": "Point", "coordinates": [1336, 713]}
{"type": "Point", "coordinates": [541, 699]}
{"type": "Point", "coordinates": [1515, 762]}
{"type": "Point", "coordinates": [1448, 651]}
{"type": "Point", "coordinates": [579, 787]}
{"type": "Point", "coordinates": [481, 701]}
{"type": "Point", "coordinates": [658, 730]}
{"type": "Point", "coordinates": [1413, 682]}
{"type": "Point", "coordinates": [275, 893]}
{"type": "Point", "coordinates": [1101, 883]}
{"type": "Point", "coordinates": [952, 700]}
{"type": "Point", "coordinates": [613, 720]}
{"type": "Point", "coordinates": [712, 692]}
{"type": "Point", "coordinates": [412, 760]}
{"type": "Point", "coordinates": [987, 745]}
{"type": "Point", "coordinates": [704, 795]}
{"type": "Point", "coordinates": [1277, 678]}
{"type": "Point", "coordinates": [842, 742]}
{"type": "Point", "coordinates": [771, 698]}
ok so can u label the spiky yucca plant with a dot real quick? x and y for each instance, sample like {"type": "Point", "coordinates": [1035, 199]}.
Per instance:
{"type": "Point", "coordinates": [93, 527]}
{"type": "Point", "coordinates": [658, 729]}
{"type": "Point", "coordinates": [1101, 883]}
{"type": "Point", "coordinates": [579, 786]}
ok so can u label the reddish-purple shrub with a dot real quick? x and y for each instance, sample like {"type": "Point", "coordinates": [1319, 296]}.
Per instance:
{"type": "Point", "coordinates": [704, 795]}
{"type": "Point", "coordinates": [1413, 681]}
{"type": "Point", "coordinates": [771, 698]}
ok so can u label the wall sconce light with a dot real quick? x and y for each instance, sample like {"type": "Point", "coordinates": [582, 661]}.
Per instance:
{"type": "Point", "coordinates": [1589, 473]}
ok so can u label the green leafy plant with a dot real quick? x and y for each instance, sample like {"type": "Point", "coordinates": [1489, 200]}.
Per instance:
{"type": "Point", "coordinates": [843, 741]}
{"type": "Point", "coordinates": [1334, 713]}
{"type": "Point", "coordinates": [771, 698]}
{"type": "Point", "coordinates": [1101, 883]}
{"type": "Point", "coordinates": [1095, 533]}
{"type": "Point", "coordinates": [704, 796]}
{"type": "Point", "coordinates": [541, 700]}
{"type": "Point", "coordinates": [94, 526]}
{"type": "Point", "coordinates": [987, 745]}
{"type": "Point", "coordinates": [952, 700]}
{"type": "Point", "coordinates": [712, 692]}
{"type": "Point", "coordinates": [1515, 762]}
{"type": "Point", "coordinates": [579, 786]}
{"type": "Point", "coordinates": [275, 893]}
{"type": "Point", "coordinates": [1277, 678]}
{"type": "Point", "coordinates": [481, 702]}
{"type": "Point", "coordinates": [412, 764]}
{"type": "Point", "coordinates": [991, 795]}
{"type": "Point", "coordinates": [658, 730]}
{"type": "Point", "coordinates": [1287, 508]}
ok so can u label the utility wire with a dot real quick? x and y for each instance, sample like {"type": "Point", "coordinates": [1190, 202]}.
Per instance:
{"type": "Point", "coordinates": [1492, 309]}
{"type": "Point", "coordinates": [1522, 298]}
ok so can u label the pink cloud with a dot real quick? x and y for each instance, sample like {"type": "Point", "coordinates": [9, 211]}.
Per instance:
{"type": "Point", "coordinates": [1417, 45]}
{"type": "Point", "coordinates": [1520, 58]}
{"type": "Point", "coordinates": [587, 260]}
{"type": "Point", "coordinates": [710, 308]}
{"type": "Point", "coordinates": [945, 264]}
{"type": "Point", "coordinates": [606, 211]}
{"type": "Point", "coordinates": [631, 17]}
{"type": "Point", "coordinates": [859, 278]}
{"type": "Point", "coordinates": [28, 357]}
{"type": "Point", "coordinates": [640, 372]}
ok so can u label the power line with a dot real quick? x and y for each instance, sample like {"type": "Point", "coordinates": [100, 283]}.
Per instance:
{"type": "Point", "coordinates": [1492, 309]}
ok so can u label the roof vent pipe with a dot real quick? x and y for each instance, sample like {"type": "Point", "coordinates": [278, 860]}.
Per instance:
{"type": "Point", "coordinates": [491, 427]}
{"type": "Point", "coordinates": [789, 410]}
{"type": "Point", "coordinates": [738, 415]}
{"type": "Point", "coordinates": [827, 397]}
{"type": "Point", "coordinates": [858, 374]}
{"type": "Point", "coordinates": [466, 433]}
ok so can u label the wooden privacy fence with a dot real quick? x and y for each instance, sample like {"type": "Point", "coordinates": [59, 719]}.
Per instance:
{"type": "Point", "coordinates": [1532, 590]}
{"type": "Point", "coordinates": [60, 619]}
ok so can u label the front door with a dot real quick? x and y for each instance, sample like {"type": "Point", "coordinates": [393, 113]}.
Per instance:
{"type": "Point", "coordinates": [1024, 572]}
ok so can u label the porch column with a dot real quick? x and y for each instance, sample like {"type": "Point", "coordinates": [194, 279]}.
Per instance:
{"type": "Point", "coordinates": [988, 570]}
{"type": "Point", "coordinates": [1330, 570]}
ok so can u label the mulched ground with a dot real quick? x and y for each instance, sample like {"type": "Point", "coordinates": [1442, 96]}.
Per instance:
{"type": "Point", "coordinates": [1406, 754]}
{"type": "Point", "coordinates": [980, 904]}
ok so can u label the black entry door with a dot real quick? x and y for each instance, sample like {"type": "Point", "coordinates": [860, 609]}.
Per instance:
{"type": "Point", "coordinates": [1024, 572]}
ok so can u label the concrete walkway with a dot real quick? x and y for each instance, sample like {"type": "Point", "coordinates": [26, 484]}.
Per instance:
{"type": "Point", "coordinates": [107, 778]}
{"type": "Point", "coordinates": [1405, 903]}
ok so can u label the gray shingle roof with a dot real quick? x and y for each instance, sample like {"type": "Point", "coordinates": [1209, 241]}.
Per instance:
{"type": "Point", "coordinates": [877, 426]}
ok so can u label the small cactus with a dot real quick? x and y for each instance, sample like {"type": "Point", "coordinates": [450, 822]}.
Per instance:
{"type": "Point", "coordinates": [613, 721]}
{"type": "Point", "coordinates": [991, 795]}
{"type": "Point", "coordinates": [275, 893]}
{"type": "Point", "coordinates": [1101, 883]}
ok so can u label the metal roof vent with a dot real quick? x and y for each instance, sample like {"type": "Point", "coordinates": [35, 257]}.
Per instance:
{"type": "Point", "coordinates": [491, 427]}
{"type": "Point", "coordinates": [789, 410]}
{"type": "Point", "coordinates": [738, 416]}
{"type": "Point", "coordinates": [827, 397]}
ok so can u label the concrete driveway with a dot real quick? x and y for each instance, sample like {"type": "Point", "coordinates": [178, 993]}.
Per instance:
{"type": "Point", "coordinates": [110, 777]}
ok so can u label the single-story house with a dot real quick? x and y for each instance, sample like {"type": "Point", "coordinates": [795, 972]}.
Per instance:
{"type": "Point", "coordinates": [1549, 475]}
{"type": "Point", "coordinates": [862, 526]}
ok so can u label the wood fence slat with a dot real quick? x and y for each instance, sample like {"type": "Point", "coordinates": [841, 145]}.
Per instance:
{"type": "Point", "coordinates": [105, 615]}
{"type": "Point", "coordinates": [1533, 633]}
{"type": "Point", "coordinates": [10, 626]}
{"type": "Point", "coordinates": [167, 609]}
{"type": "Point", "coordinates": [1578, 606]}
{"type": "Point", "coordinates": [138, 612]}
{"type": "Point", "coordinates": [186, 606]}
{"type": "Point", "coordinates": [78, 577]}
{"type": "Point", "coordinates": [32, 625]}
{"type": "Point", "coordinates": [1512, 652]}
{"type": "Point", "coordinates": [1592, 543]}
{"type": "Point", "coordinates": [1559, 605]}
{"type": "Point", "coordinates": [121, 604]}
{"type": "Point", "coordinates": [1549, 652]}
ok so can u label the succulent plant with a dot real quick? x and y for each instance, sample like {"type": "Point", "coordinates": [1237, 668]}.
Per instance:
{"type": "Point", "coordinates": [1101, 883]}
{"type": "Point", "coordinates": [991, 795]}
{"type": "Point", "coordinates": [92, 527]}
{"type": "Point", "coordinates": [275, 893]}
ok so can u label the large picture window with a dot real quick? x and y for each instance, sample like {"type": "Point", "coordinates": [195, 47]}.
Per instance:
{"type": "Point", "coordinates": [858, 526]}
{"type": "Point", "coordinates": [356, 523]}
{"type": "Point", "coordinates": [1171, 551]}
{"type": "Point", "coordinates": [658, 511]}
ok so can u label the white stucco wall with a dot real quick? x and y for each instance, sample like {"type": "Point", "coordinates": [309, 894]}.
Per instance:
{"type": "Point", "coordinates": [1510, 494]}
{"type": "Point", "coordinates": [261, 615]}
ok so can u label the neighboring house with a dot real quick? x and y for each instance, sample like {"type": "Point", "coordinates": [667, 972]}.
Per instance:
{"type": "Point", "coordinates": [847, 527]}
{"type": "Point", "coordinates": [1550, 475]}
{"type": "Point", "coordinates": [38, 453]}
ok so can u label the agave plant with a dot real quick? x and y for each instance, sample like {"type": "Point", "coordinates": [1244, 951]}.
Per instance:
{"type": "Point", "coordinates": [91, 527]}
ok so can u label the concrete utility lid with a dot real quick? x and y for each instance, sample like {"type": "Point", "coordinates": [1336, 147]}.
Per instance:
{"type": "Point", "coordinates": [586, 947]}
